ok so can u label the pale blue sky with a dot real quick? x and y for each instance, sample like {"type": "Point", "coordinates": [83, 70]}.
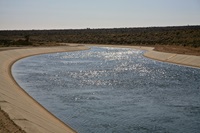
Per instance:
{"type": "Point", "coordinates": [76, 14]}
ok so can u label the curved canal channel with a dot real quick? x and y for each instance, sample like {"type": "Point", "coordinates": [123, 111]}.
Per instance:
{"type": "Point", "coordinates": [113, 90]}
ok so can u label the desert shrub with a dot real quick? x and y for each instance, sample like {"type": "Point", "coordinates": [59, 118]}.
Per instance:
{"type": "Point", "coordinates": [21, 43]}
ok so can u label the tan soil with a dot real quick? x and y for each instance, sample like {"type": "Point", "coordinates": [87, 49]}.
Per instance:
{"type": "Point", "coordinates": [7, 125]}
{"type": "Point", "coordinates": [178, 49]}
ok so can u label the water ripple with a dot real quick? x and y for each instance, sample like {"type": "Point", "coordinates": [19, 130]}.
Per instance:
{"type": "Point", "coordinates": [114, 90]}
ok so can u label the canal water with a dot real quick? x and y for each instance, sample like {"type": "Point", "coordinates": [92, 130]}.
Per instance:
{"type": "Point", "coordinates": [113, 90]}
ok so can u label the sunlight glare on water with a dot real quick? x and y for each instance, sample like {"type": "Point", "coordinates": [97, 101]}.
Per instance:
{"type": "Point", "coordinates": [114, 90]}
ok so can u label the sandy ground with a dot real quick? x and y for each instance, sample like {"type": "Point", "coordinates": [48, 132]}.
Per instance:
{"type": "Point", "coordinates": [178, 49]}
{"type": "Point", "coordinates": [21, 112]}
{"type": "Point", "coordinates": [7, 125]}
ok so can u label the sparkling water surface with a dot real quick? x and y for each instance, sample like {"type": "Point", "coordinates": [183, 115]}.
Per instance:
{"type": "Point", "coordinates": [113, 90]}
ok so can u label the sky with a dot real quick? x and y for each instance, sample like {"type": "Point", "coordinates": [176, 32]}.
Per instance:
{"type": "Point", "coordinates": [81, 14]}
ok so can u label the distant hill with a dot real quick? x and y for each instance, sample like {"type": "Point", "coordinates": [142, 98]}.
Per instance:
{"type": "Point", "coordinates": [148, 36]}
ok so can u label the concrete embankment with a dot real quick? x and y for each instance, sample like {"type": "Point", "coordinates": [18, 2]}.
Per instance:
{"type": "Point", "coordinates": [28, 113]}
{"type": "Point", "coordinates": [181, 59]}
{"type": "Point", "coordinates": [21, 108]}
{"type": "Point", "coordinates": [188, 60]}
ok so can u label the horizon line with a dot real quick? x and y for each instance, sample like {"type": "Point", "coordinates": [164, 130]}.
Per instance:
{"type": "Point", "coordinates": [88, 28]}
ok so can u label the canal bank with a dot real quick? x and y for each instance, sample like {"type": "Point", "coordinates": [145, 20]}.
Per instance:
{"type": "Point", "coordinates": [23, 110]}
{"type": "Point", "coordinates": [181, 59]}
{"type": "Point", "coordinates": [31, 116]}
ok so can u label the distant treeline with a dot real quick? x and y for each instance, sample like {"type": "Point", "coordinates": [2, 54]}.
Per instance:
{"type": "Point", "coordinates": [179, 35]}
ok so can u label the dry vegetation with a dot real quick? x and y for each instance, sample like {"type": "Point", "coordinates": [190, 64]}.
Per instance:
{"type": "Point", "coordinates": [178, 49]}
{"type": "Point", "coordinates": [183, 40]}
{"type": "Point", "coordinates": [183, 37]}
